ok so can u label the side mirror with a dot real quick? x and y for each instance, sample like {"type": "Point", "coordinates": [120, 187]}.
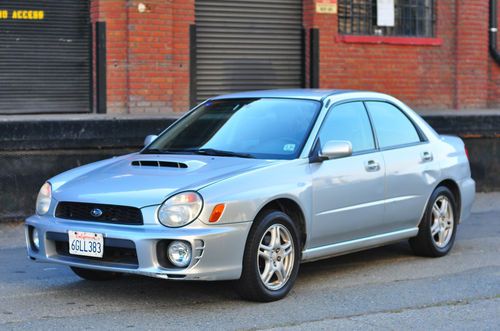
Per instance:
{"type": "Point", "coordinates": [149, 139]}
{"type": "Point", "coordinates": [334, 149]}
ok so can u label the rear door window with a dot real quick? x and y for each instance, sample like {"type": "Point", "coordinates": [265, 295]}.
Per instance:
{"type": "Point", "coordinates": [392, 127]}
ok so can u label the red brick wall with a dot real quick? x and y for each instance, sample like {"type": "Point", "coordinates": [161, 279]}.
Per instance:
{"type": "Point", "coordinates": [451, 75]}
{"type": "Point", "coordinates": [147, 54]}
{"type": "Point", "coordinates": [472, 53]}
{"type": "Point", "coordinates": [494, 76]}
{"type": "Point", "coordinates": [148, 58]}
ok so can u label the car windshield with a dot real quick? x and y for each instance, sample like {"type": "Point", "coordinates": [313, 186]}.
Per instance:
{"type": "Point", "coordinates": [264, 128]}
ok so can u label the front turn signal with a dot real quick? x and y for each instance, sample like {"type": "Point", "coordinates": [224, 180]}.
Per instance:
{"type": "Point", "coordinates": [217, 213]}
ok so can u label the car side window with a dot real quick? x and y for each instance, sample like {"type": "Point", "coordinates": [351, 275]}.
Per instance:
{"type": "Point", "coordinates": [348, 121]}
{"type": "Point", "coordinates": [392, 127]}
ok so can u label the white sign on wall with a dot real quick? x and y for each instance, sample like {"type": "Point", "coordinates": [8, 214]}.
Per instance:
{"type": "Point", "coordinates": [385, 12]}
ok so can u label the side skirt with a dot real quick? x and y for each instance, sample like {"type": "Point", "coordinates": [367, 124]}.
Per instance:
{"type": "Point", "coordinates": [351, 246]}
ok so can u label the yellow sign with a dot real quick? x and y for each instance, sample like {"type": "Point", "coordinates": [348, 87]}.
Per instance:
{"type": "Point", "coordinates": [326, 6]}
{"type": "Point", "coordinates": [22, 14]}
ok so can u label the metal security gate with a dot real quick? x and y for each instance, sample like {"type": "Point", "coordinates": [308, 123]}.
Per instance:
{"type": "Point", "coordinates": [247, 45]}
{"type": "Point", "coordinates": [45, 62]}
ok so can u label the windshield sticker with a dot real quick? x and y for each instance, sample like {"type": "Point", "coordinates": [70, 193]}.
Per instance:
{"type": "Point", "coordinates": [289, 148]}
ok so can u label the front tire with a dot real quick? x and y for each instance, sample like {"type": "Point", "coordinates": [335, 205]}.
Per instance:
{"type": "Point", "coordinates": [271, 258]}
{"type": "Point", "coordinates": [438, 227]}
{"type": "Point", "coordinates": [95, 275]}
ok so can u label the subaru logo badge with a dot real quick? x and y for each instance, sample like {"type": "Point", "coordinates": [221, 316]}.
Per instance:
{"type": "Point", "coordinates": [96, 212]}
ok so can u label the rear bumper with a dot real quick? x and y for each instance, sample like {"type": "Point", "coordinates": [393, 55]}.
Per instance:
{"type": "Point", "coordinates": [467, 193]}
{"type": "Point", "coordinates": [217, 249]}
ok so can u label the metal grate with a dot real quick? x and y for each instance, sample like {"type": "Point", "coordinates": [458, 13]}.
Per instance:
{"type": "Point", "coordinates": [412, 18]}
{"type": "Point", "coordinates": [248, 45]}
{"type": "Point", "coordinates": [45, 63]}
{"type": "Point", "coordinates": [110, 213]}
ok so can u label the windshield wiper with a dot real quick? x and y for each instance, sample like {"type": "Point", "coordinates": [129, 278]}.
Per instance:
{"type": "Point", "coordinates": [202, 151]}
{"type": "Point", "coordinates": [217, 152]}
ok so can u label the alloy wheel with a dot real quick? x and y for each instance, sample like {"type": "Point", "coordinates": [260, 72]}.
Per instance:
{"type": "Point", "coordinates": [275, 257]}
{"type": "Point", "coordinates": [442, 221]}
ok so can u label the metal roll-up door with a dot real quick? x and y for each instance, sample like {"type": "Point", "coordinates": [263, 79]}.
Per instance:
{"type": "Point", "coordinates": [45, 62]}
{"type": "Point", "coordinates": [247, 45]}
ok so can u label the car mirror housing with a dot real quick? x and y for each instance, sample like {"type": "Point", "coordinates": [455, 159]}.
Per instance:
{"type": "Point", "coordinates": [149, 139]}
{"type": "Point", "coordinates": [334, 149]}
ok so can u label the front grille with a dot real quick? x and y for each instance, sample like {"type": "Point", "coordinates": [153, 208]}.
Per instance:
{"type": "Point", "coordinates": [118, 252]}
{"type": "Point", "coordinates": [109, 213]}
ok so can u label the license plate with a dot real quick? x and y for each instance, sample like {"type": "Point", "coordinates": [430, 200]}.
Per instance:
{"type": "Point", "coordinates": [86, 243]}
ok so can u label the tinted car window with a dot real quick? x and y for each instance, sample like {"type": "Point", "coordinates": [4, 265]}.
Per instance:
{"type": "Point", "coordinates": [393, 128]}
{"type": "Point", "coordinates": [269, 128]}
{"type": "Point", "coordinates": [348, 121]}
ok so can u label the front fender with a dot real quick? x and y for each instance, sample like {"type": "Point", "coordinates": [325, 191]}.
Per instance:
{"type": "Point", "coordinates": [245, 195]}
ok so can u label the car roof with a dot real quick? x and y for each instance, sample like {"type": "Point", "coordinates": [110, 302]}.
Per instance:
{"type": "Point", "coordinates": [309, 94]}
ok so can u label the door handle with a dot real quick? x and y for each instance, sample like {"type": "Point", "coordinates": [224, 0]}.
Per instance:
{"type": "Point", "coordinates": [372, 165]}
{"type": "Point", "coordinates": [426, 156]}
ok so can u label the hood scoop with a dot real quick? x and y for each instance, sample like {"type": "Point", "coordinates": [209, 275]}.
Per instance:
{"type": "Point", "coordinates": [166, 164]}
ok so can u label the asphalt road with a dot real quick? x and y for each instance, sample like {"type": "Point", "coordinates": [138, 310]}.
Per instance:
{"type": "Point", "coordinates": [380, 289]}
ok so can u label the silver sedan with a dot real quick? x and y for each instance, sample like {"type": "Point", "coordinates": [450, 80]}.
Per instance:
{"type": "Point", "coordinates": [247, 186]}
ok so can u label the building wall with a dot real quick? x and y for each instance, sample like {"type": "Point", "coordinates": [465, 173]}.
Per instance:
{"type": "Point", "coordinates": [147, 54]}
{"type": "Point", "coordinates": [452, 71]}
{"type": "Point", "coordinates": [148, 58]}
{"type": "Point", "coordinates": [494, 76]}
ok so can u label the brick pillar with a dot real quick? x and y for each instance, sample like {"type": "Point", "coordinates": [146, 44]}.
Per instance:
{"type": "Point", "coordinates": [472, 54]}
{"type": "Point", "coordinates": [114, 13]}
{"type": "Point", "coordinates": [494, 75]}
{"type": "Point", "coordinates": [158, 46]}
{"type": "Point", "coordinates": [327, 25]}
{"type": "Point", "coordinates": [147, 54]}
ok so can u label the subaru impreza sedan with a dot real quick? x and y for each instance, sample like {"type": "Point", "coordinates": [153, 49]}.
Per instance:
{"type": "Point", "coordinates": [247, 186]}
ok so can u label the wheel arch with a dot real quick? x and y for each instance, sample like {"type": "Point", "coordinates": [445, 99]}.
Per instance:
{"type": "Point", "coordinates": [455, 190]}
{"type": "Point", "coordinates": [292, 209]}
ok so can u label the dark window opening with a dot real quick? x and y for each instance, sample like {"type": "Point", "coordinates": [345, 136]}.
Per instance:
{"type": "Point", "coordinates": [412, 18]}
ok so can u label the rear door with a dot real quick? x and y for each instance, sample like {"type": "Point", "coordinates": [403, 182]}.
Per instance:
{"type": "Point", "coordinates": [348, 192]}
{"type": "Point", "coordinates": [411, 170]}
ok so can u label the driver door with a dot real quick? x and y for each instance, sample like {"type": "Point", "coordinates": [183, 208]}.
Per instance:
{"type": "Point", "coordinates": [348, 192]}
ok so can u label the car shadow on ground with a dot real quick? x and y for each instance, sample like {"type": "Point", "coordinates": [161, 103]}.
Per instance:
{"type": "Point", "coordinates": [136, 289]}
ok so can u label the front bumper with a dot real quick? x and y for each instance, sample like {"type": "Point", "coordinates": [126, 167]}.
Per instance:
{"type": "Point", "coordinates": [217, 249]}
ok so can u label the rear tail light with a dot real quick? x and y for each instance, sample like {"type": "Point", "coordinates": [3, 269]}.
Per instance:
{"type": "Point", "coordinates": [466, 153]}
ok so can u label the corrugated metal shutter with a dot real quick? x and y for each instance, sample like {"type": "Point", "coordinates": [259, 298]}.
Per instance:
{"type": "Point", "coordinates": [248, 45]}
{"type": "Point", "coordinates": [44, 56]}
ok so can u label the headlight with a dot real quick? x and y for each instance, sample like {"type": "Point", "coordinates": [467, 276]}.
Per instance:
{"type": "Point", "coordinates": [43, 199]}
{"type": "Point", "coordinates": [180, 209]}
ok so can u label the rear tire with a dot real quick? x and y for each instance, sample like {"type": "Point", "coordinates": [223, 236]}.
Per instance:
{"type": "Point", "coordinates": [271, 259]}
{"type": "Point", "coordinates": [95, 275]}
{"type": "Point", "coordinates": [438, 227]}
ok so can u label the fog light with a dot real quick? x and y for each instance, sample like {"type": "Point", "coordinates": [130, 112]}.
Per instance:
{"type": "Point", "coordinates": [179, 253]}
{"type": "Point", "coordinates": [35, 239]}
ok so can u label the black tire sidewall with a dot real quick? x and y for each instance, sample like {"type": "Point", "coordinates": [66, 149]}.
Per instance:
{"type": "Point", "coordinates": [250, 273]}
{"type": "Point", "coordinates": [440, 191]}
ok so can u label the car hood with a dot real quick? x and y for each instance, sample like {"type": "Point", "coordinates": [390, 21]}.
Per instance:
{"type": "Point", "coordinates": [142, 180]}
